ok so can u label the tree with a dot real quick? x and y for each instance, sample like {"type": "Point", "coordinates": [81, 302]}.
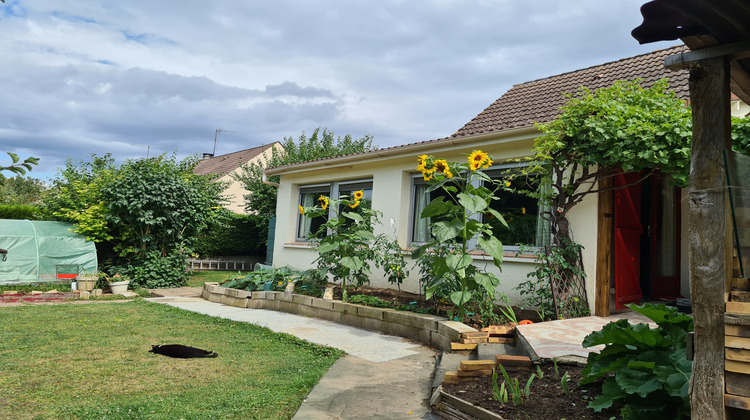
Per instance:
{"type": "Point", "coordinates": [320, 145]}
{"type": "Point", "coordinates": [22, 190]}
{"type": "Point", "coordinates": [143, 215]}
{"type": "Point", "coordinates": [156, 208]}
{"type": "Point", "coordinates": [621, 128]}
{"type": "Point", "coordinates": [76, 196]}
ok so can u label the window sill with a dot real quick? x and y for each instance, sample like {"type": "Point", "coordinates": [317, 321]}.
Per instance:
{"type": "Point", "coordinates": [301, 245]}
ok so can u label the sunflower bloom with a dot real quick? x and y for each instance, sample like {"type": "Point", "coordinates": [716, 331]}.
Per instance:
{"type": "Point", "coordinates": [428, 173]}
{"type": "Point", "coordinates": [358, 195]}
{"type": "Point", "coordinates": [323, 202]}
{"type": "Point", "coordinates": [422, 162]}
{"type": "Point", "coordinates": [442, 166]}
{"type": "Point", "coordinates": [301, 210]}
{"type": "Point", "coordinates": [354, 204]}
{"type": "Point", "coordinates": [479, 159]}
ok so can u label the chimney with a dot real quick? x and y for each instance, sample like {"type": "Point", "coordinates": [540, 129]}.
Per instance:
{"type": "Point", "coordinates": [207, 156]}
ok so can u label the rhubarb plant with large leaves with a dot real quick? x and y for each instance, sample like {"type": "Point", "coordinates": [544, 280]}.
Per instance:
{"type": "Point", "coordinates": [456, 228]}
{"type": "Point", "coordinates": [646, 368]}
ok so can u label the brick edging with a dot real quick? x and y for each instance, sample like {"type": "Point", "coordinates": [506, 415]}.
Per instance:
{"type": "Point", "coordinates": [431, 330]}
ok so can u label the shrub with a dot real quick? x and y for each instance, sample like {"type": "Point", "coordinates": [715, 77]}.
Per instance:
{"type": "Point", "coordinates": [240, 235]}
{"type": "Point", "coordinates": [20, 212]}
{"type": "Point", "coordinates": [651, 371]}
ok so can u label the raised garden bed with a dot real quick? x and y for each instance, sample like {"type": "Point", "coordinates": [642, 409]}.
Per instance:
{"type": "Point", "coordinates": [546, 399]}
{"type": "Point", "coordinates": [432, 330]}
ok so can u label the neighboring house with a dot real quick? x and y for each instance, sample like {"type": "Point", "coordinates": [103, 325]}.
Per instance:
{"type": "Point", "coordinates": [224, 166]}
{"type": "Point", "coordinates": [657, 265]}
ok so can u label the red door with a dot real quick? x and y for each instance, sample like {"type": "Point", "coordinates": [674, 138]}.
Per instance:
{"type": "Point", "coordinates": [628, 231]}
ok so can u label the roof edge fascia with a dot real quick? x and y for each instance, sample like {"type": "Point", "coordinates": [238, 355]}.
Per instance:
{"type": "Point", "coordinates": [505, 136]}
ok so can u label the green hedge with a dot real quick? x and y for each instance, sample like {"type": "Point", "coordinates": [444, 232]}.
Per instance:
{"type": "Point", "coordinates": [20, 212]}
{"type": "Point", "coordinates": [243, 235]}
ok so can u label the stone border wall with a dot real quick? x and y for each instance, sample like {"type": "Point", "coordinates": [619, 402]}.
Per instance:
{"type": "Point", "coordinates": [435, 331]}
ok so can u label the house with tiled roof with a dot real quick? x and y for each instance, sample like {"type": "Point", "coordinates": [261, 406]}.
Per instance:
{"type": "Point", "coordinates": [506, 130]}
{"type": "Point", "coordinates": [223, 168]}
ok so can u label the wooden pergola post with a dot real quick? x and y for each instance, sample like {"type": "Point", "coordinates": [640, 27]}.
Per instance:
{"type": "Point", "coordinates": [709, 232]}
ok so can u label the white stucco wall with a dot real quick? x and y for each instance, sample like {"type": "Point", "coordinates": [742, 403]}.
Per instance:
{"type": "Point", "coordinates": [584, 226]}
{"type": "Point", "coordinates": [392, 183]}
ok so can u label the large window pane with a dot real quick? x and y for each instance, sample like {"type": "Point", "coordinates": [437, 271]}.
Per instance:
{"type": "Point", "coordinates": [420, 199]}
{"type": "Point", "coordinates": [348, 189]}
{"type": "Point", "coordinates": [308, 197]}
{"type": "Point", "coordinates": [520, 211]}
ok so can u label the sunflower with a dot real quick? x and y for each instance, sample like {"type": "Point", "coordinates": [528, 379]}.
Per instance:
{"type": "Point", "coordinates": [301, 210]}
{"type": "Point", "coordinates": [323, 202]}
{"type": "Point", "coordinates": [479, 159]}
{"type": "Point", "coordinates": [442, 166]}
{"type": "Point", "coordinates": [422, 162]}
{"type": "Point", "coordinates": [358, 195]}
{"type": "Point", "coordinates": [354, 204]}
{"type": "Point", "coordinates": [428, 173]}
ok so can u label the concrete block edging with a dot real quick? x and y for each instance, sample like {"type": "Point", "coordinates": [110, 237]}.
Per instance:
{"type": "Point", "coordinates": [431, 330]}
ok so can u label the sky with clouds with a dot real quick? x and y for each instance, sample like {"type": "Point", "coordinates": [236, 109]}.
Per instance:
{"type": "Point", "coordinates": [143, 76]}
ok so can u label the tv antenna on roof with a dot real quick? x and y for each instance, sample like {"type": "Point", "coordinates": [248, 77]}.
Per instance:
{"type": "Point", "coordinates": [216, 137]}
{"type": "Point", "coordinates": [148, 148]}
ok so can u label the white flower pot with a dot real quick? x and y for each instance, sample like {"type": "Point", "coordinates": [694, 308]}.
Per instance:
{"type": "Point", "coordinates": [119, 287]}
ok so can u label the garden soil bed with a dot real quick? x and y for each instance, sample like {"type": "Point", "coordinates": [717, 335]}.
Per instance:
{"type": "Point", "coordinates": [402, 298]}
{"type": "Point", "coordinates": [546, 399]}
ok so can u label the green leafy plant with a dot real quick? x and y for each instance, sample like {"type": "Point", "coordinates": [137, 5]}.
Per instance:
{"type": "Point", "coordinates": [486, 307]}
{"type": "Point", "coordinates": [17, 167]}
{"type": "Point", "coordinates": [499, 394]}
{"type": "Point", "coordinates": [539, 372]}
{"type": "Point", "coordinates": [256, 280]}
{"type": "Point", "coordinates": [650, 371]}
{"type": "Point", "coordinates": [564, 384]}
{"type": "Point", "coordinates": [599, 133]}
{"type": "Point", "coordinates": [554, 365]}
{"type": "Point", "coordinates": [517, 393]}
{"type": "Point", "coordinates": [536, 291]}
{"type": "Point", "coordinates": [507, 310]}
{"type": "Point", "coordinates": [346, 244]}
{"type": "Point", "coordinates": [454, 226]}
{"type": "Point", "coordinates": [370, 301]}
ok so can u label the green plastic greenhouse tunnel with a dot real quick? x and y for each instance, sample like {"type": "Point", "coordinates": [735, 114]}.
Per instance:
{"type": "Point", "coordinates": [42, 251]}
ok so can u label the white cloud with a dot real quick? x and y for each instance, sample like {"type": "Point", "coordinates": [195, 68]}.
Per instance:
{"type": "Point", "coordinates": [122, 77]}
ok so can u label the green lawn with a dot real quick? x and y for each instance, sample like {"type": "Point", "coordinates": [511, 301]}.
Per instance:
{"type": "Point", "coordinates": [92, 361]}
{"type": "Point", "coordinates": [200, 277]}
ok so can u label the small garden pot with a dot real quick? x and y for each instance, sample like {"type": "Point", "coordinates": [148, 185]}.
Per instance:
{"type": "Point", "coordinates": [268, 286]}
{"type": "Point", "coordinates": [328, 293]}
{"type": "Point", "coordinates": [86, 282]}
{"type": "Point", "coordinates": [119, 287]}
{"type": "Point", "coordinates": [290, 287]}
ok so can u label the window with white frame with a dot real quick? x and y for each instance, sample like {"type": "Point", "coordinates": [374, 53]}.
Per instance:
{"type": "Point", "coordinates": [309, 195]}
{"type": "Point", "coordinates": [521, 212]}
{"type": "Point", "coordinates": [420, 231]}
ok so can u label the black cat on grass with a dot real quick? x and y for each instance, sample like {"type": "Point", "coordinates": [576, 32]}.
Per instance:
{"type": "Point", "coordinates": [181, 352]}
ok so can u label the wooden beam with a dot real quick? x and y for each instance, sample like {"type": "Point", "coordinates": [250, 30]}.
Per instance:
{"type": "Point", "coordinates": [709, 233]}
{"type": "Point", "coordinates": [687, 58]}
{"type": "Point", "coordinates": [604, 247]}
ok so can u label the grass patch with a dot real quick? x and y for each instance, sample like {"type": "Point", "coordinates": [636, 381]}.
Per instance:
{"type": "Point", "coordinates": [200, 277]}
{"type": "Point", "coordinates": [92, 361]}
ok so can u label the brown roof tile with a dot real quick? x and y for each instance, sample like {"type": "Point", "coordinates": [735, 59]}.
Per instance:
{"type": "Point", "coordinates": [220, 165]}
{"type": "Point", "coordinates": [540, 100]}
